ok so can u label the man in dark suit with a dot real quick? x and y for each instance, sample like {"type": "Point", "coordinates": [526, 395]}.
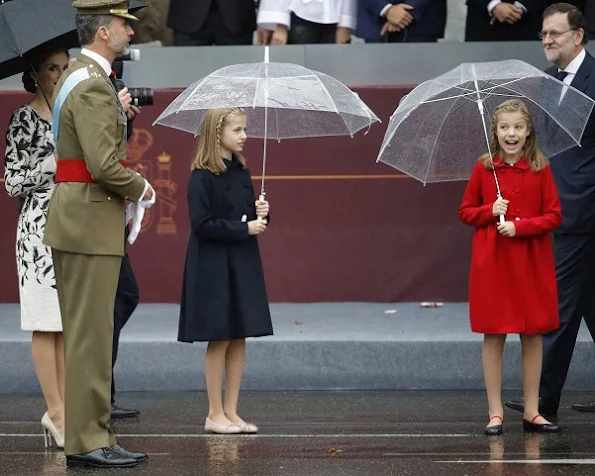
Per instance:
{"type": "Point", "coordinates": [212, 22]}
{"type": "Point", "coordinates": [504, 20]}
{"type": "Point", "coordinates": [563, 33]}
{"type": "Point", "coordinates": [127, 291]}
{"type": "Point", "coordinates": [389, 21]}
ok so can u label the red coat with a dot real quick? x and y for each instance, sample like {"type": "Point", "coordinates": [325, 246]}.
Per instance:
{"type": "Point", "coordinates": [512, 282]}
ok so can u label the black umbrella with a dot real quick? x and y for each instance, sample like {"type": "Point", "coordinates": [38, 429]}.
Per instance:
{"type": "Point", "coordinates": [25, 24]}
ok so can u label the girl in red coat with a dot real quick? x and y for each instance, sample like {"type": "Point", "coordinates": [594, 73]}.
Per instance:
{"type": "Point", "coordinates": [512, 282]}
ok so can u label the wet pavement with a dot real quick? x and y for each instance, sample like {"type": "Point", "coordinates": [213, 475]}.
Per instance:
{"type": "Point", "coordinates": [318, 434]}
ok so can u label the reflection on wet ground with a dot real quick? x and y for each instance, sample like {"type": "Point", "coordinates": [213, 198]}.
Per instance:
{"type": "Point", "coordinates": [318, 433]}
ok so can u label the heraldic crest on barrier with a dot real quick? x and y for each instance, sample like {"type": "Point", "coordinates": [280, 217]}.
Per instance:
{"type": "Point", "coordinates": [159, 174]}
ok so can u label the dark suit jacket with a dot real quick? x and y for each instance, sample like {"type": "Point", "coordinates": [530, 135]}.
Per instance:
{"type": "Point", "coordinates": [429, 18]}
{"type": "Point", "coordinates": [478, 26]}
{"type": "Point", "coordinates": [574, 170]}
{"type": "Point", "coordinates": [188, 16]}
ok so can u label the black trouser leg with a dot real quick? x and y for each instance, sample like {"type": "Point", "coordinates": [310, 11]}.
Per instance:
{"type": "Point", "coordinates": [575, 273]}
{"type": "Point", "coordinates": [126, 302]}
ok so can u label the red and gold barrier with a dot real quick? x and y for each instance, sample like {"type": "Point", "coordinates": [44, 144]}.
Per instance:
{"type": "Point", "coordinates": [344, 228]}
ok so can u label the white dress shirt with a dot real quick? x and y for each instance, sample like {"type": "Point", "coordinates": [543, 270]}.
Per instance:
{"type": "Point", "coordinates": [573, 66]}
{"type": "Point", "coordinates": [493, 4]}
{"type": "Point", "coordinates": [105, 64]}
{"type": "Point", "coordinates": [274, 12]}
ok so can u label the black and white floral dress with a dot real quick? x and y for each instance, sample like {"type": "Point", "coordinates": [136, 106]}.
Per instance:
{"type": "Point", "coordinates": [29, 174]}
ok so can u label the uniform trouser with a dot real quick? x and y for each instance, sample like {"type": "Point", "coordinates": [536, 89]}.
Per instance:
{"type": "Point", "coordinates": [575, 274]}
{"type": "Point", "coordinates": [86, 287]}
{"type": "Point", "coordinates": [126, 302]}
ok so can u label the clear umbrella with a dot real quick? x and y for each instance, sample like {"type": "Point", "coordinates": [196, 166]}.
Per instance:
{"type": "Point", "coordinates": [440, 129]}
{"type": "Point", "coordinates": [281, 100]}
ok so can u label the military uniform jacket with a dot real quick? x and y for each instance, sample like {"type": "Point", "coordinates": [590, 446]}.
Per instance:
{"type": "Point", "coordinates": [88, 218]}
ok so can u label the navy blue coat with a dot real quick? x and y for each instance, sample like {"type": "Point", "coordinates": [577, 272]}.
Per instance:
{"type": "Point", "coordinates": [429, 19]}
{"type": "Point", "coordinates": [223, 293]}
{"type": "Point", "coordinates": [574, 170]}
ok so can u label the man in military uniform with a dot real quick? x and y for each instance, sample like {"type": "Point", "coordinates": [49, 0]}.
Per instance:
{"type": "Point", "coordinates": [85, 227]}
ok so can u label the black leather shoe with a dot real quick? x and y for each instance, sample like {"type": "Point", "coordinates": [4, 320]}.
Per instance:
{"type": "Point", "coordinates": [119, 412]}
{"type": "Point", "coordinates": [547, 408]}
{"type": "Point", "coordinates": [130, 454]}
{"type": "Point", "coordinates": [494, 430]}
{"type": "Point", "coordinates": [584, 407]}
{"type": "Point", "coordinates": [531, 427]}
{"type": "Point", "coordinates": [100, 458]}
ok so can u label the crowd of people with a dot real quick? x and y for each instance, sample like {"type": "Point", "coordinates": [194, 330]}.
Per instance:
{"type": "Point", "coordinates": [77, 289]}
{"type": "Point", "coordinates": [279, 22]}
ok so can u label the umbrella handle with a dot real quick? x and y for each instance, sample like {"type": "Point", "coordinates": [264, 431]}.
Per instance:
{"type": "Point", "coordinates": [501, 217]}
{"type": "Point", "coordinates": [260, 199]}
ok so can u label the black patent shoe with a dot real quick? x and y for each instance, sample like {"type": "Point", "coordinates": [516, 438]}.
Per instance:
{"type": "Point", "coordinates": [100, 458]}
{"type": "Point", "coordinates": [136, 455]}
{"type": "Point", "coordinates": [495, 430]}
{"type": "Point", "coordinates": [532, 427]}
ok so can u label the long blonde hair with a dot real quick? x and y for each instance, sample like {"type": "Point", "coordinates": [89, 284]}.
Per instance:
{"type": "Point", "coordinates": [531, 152]}
{"type": "Point", "coordinates": [208, 152]}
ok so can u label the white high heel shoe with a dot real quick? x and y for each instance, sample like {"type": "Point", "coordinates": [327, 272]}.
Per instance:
{"type": "Point", "coordinates": [50, 431]}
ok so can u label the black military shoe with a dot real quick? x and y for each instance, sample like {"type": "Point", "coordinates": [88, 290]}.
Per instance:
{"type": "Point", "coordinates": [584, 407]}
{"type": "Point", "coordinates": [100, 458]}
{"type": "Point", "coordinates": [130, 454]}
{"type": "Point", "coordinates": [119, 412]}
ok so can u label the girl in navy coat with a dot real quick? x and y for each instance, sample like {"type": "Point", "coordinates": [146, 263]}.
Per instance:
{"type": "Point", "coordinates": [224, 298]}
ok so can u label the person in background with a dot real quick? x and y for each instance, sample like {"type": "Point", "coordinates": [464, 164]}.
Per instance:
{"type": "Point", "coordinates": [382, 21]}
{"type": "Point", "coordinates": [283, 22]}
{"type": "Point", "coordinates": [564, 40]}
{"type": "Point", "coordinates": [504, 20]}
{"type": "Point", "coordinates": [212, 22]}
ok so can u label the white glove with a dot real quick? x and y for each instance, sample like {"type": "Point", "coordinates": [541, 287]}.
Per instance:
{"type": "Point", "coordinates": [134, 212]}
{"type": "Point", "coordinates": [144, 203]}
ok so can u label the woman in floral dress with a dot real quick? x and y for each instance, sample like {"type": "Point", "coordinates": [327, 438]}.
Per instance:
{"type": "Point", "coordinates": [29, 175]}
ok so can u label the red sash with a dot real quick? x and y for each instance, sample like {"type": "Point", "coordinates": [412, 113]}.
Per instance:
{"type": "Point", "coordinates": [74, 170]}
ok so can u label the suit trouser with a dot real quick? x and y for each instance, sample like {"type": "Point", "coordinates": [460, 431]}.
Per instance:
{"type": "Point", "coordinates": [126, 302]}
{"type": "Point", "coordinates": [86, 291]}
{"type": "Point", "coordinates": [575, 274]}
{"type": "Point", "coordinates": [214, 32]}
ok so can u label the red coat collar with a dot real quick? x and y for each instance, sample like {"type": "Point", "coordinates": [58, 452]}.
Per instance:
{"type": "Point", "coordinates": [521, 163]}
